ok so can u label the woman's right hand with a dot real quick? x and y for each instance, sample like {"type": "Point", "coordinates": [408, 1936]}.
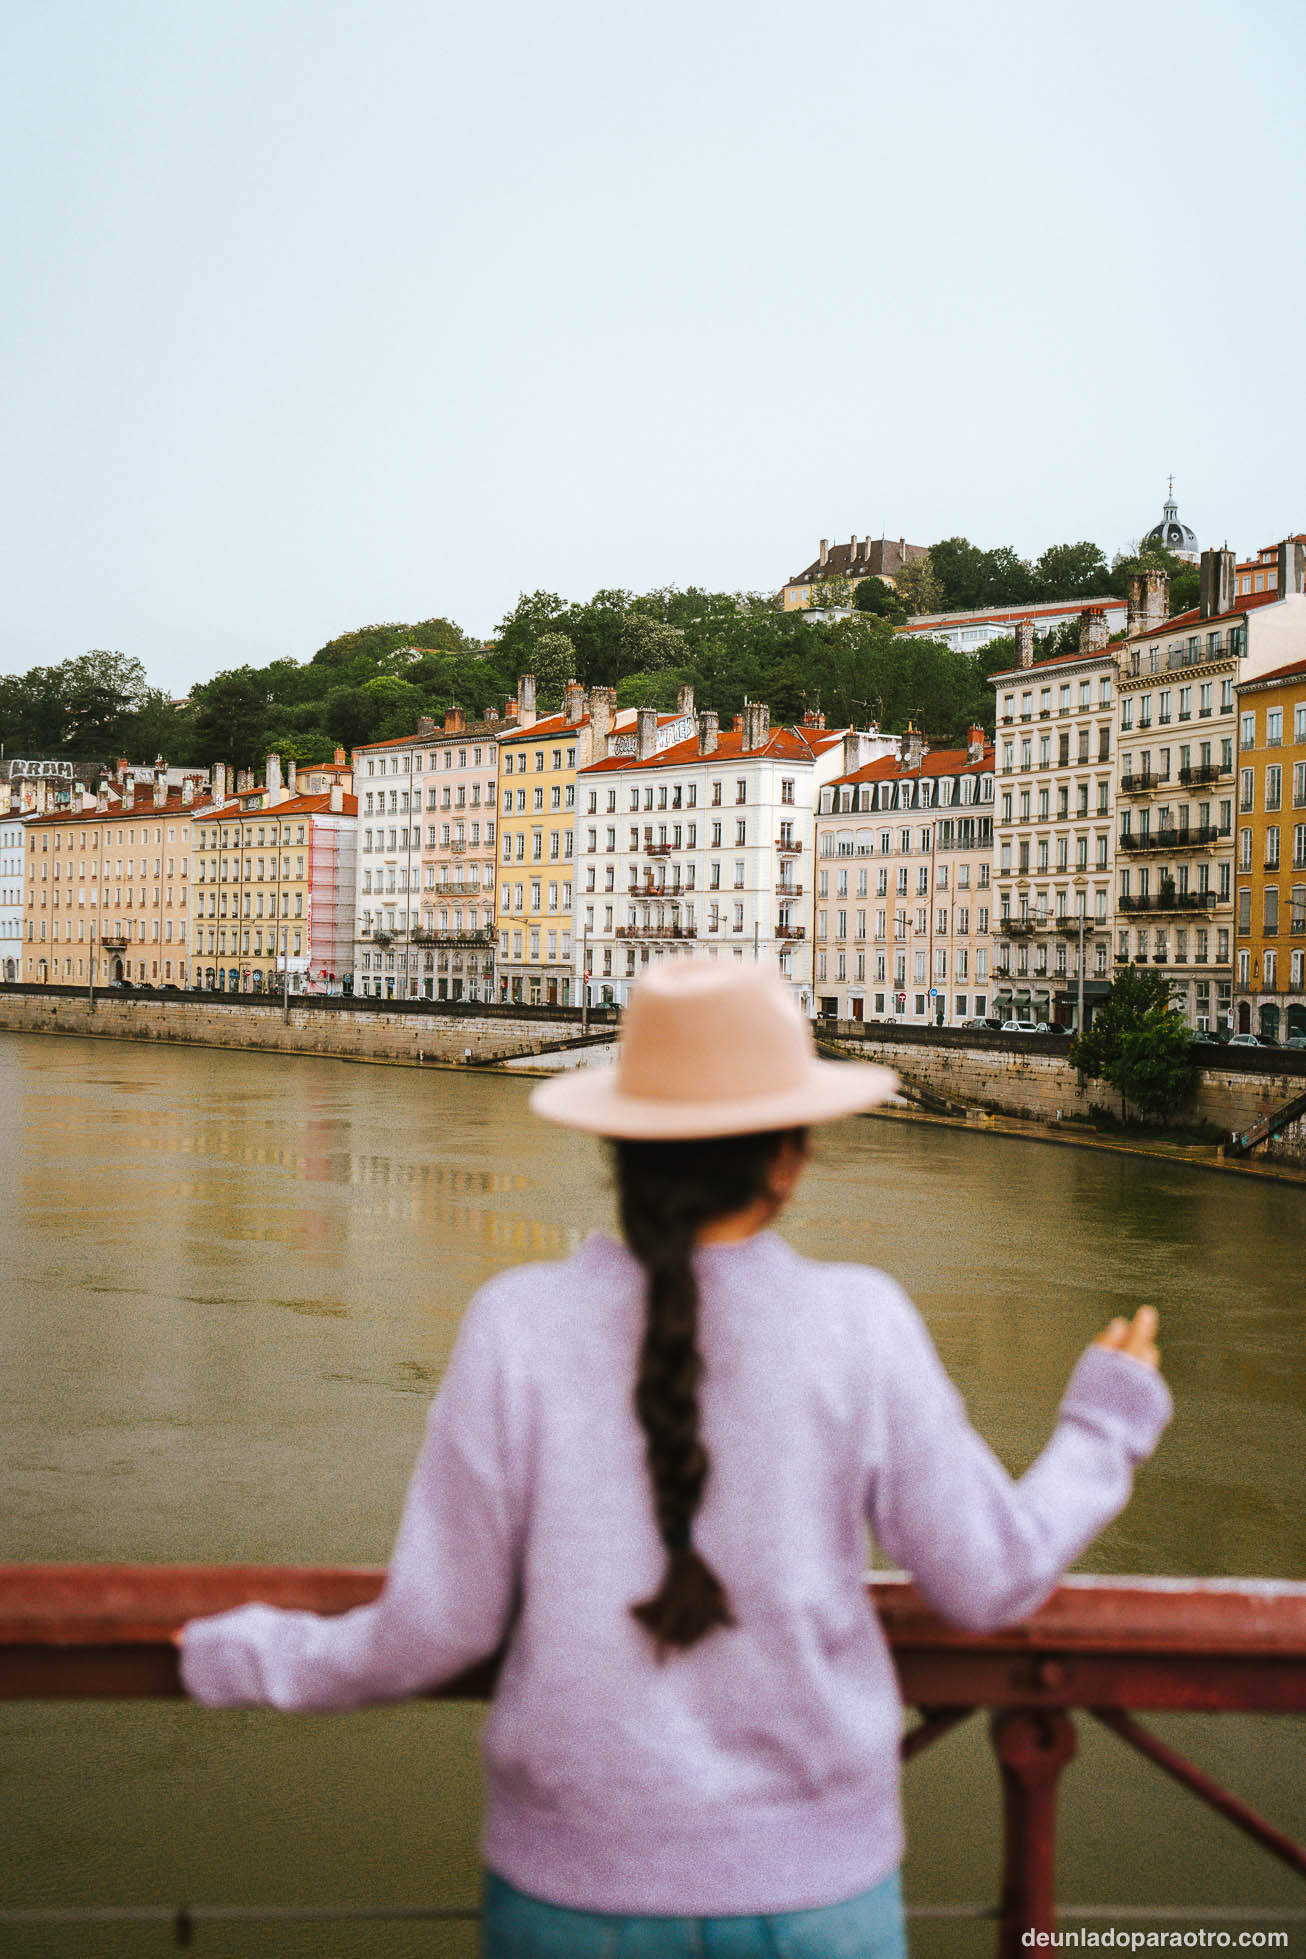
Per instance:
{"type": "Point", "coordinates": [1136, 1337]}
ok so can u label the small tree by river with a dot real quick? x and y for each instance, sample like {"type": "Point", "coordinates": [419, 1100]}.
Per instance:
{"type": "Point", "coordinates": [1140, 1044]}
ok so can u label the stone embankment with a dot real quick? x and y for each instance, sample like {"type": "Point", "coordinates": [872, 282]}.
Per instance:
{"type": "Point", "coordinates": [1030, 1076]}
{"type": "Point", "coordinates": [1015, 1075]}
{"type": "Point", "coordinates": [415, 1033]}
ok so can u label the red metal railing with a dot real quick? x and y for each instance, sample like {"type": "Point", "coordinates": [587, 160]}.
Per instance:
{"type": "Point", "coordinates": [1109, 1647]}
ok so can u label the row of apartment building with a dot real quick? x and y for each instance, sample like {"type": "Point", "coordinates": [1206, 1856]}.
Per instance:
{"type": "Point", "coordinates": [1144, 800]}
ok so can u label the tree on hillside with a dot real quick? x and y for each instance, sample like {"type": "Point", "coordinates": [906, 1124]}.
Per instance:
{"type": "Point", "coordinates": [231, 714]}
{"type": "Point", "coordinates": [373, 643]}
{"type": "Point", "coordinates": [553, 664]}
{"type": "Point", "coordinates": [1139, 1044]}
{"type": "Point", "coordinates": [880, 600]}
{"type": "Point", "coordinates": [1185, 579]}
{"type": "Point", "coordinates": [1070, 571]}
{"type": "Point", "coordinates": [831, 594]}
{"type": "Point", "coordinates": [919, 586]}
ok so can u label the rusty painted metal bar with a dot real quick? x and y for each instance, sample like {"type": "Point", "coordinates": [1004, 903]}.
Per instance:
{"type": "Point", "coordinates": [1204, 1786]}
{"type": "Point", "coordinates": [71, 1631]}
{"type": "Point", "coordinates": [1033, 1748]}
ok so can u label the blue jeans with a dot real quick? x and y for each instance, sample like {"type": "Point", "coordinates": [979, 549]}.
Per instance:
{"type": "Point", "coordinates": [518, 1927]}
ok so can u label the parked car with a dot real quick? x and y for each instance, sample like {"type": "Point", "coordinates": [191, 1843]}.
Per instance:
{"type": "Point", "coordinates": [988, 1023]}
{"type": "Point", "coordinates": [1297, 1041]}
{"type": "Point", "coordinates": [1016, 1027]}
{"type": "Point", "coordinates": [1246, 1041]}
{"type": "Point", "coordinates": [1046, 1027]}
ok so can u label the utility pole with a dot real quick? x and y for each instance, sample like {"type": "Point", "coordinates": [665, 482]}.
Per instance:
{"type": "Point", "coordinates": [584, 979]}
{"type": "Point", "coordinates": [1079, 1009]}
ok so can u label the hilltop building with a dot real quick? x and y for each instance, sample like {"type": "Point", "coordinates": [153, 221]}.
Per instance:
{"type": "Point", "coordinates": [1171, 534]}
{"type": "Point", "coordinates": [970, 632]}
{"type": "Point", "coordinates": [868, 557]}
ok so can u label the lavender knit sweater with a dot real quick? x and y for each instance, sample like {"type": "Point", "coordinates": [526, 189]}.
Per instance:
{"type": "Point", "coordinates": [757, 1772]}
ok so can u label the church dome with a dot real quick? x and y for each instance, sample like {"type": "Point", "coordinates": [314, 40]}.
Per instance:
{"type": "Point", "coordinates": [1171, 534]}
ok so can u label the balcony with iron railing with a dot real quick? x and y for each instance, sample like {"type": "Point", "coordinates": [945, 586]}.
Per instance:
{"type": "Point", "coordinates": [783, 890]}
{"type": "Point", "coordinates": [789, 846]}
{"type": "Point", "coordinates": [1202, 772]}
{"type": "Point", "coordinates": [1195, 837]}
{"type": "Point", "coordinates": [1105, 1648]}
{"type": "Point", "coordinates": [1172, 901]}
{"type": "Point", "coordinates": [791, 931]}
{"type": "Point", "coordinates": [657, 931]}
{"type": "Point", "coordinates": [1135, 781]}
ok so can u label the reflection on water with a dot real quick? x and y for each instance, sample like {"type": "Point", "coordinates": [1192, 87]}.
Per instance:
{"type": "Point", "coordinates": [230, 1283]}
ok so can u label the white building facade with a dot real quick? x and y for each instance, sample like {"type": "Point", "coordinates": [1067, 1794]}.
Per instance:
{"type": "Point", "coordinates": [699, 841]}
{"type": "Point", "coordinates": [424, 895]}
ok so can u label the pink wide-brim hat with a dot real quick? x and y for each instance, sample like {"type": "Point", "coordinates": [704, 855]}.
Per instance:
{"type": "Point", "coordinates": [711, 1048]}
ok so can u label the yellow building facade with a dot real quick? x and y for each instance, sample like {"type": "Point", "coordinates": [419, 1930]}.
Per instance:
{"type": "Point", "coordinates": [1270, 873]}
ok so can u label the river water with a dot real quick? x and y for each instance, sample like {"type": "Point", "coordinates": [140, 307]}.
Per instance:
{"type": "Point", "coordinates": [228, 1286]}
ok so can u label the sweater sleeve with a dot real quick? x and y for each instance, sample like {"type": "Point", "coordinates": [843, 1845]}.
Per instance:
{"type": "Point", "coordinates": [984, 1549]}
{"type": "Point", "coordinates": [449, 1591]}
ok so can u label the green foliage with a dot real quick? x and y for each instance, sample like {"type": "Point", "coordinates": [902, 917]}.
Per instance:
{"type": "Point", "coordinates": [553, 664]}
{"type": "Point", "coordinates": [919, 586]}
{"type": "Point", "coordinates": [873, 596]}
{"type": "Point", "coordinates": [831, 594]}
{"type": "Point", "coordinates": [91, 708]}
{"type": "Point", "coordinates": [1073, 571]}
{"type": "Point", "coordinates": [1185, 579]}
{"type": "Point", "coordinates": [1139, 1044]}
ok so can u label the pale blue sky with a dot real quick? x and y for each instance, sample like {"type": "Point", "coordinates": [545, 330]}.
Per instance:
{"type": "Point", "coordinates": [321, 314]}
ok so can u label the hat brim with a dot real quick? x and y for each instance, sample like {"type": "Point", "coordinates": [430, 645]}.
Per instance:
{"type": "Point", "coordinates": [590, 1100]}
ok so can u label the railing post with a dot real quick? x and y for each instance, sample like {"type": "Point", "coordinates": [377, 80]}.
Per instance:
{"type": "Point", "coordinates": [1033, 1746]}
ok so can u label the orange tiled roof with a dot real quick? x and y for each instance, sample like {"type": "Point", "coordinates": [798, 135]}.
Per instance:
{"type": "Point", "coordinates": [1193, 617]}
{"type": "Point", "coordinates": [296, 806]}
{"type": "Point", "coordinates": [143, 810]}
{"type": "Point", "coordinates": [784, 745]}
{"type": "Point", "coordinates": [936, 761]}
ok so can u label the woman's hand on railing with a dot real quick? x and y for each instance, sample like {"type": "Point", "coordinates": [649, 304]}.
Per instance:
{"type": "Point", "coordinates": [1136, 1337]}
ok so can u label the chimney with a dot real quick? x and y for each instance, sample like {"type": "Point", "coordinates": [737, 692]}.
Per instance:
{"type": "Point", "coordinates": [1148, 602]}
{"type": "Point", "coordinates": [510, 710]}
{"type": "Point", "coordinates": [1292, 566]}
{"type": "Point", "coordinates": [292, 778]}
{"type": "Point", "coordinates": [526, 700]}
{"type": "Point", "coordinates": [1092, 630]}
{"type": "Point", "coordinates": [825, 552]}
{"type": "Point", "coordinates": [490, 714]}
{"type": "Point", "coordinates": [573, 702]}
{"type": "Point", "coordinates": [455, 720]}
{"type": "Point", "coordinates": [852, 751]}
{"type": "Point", "coordinates": [1025, 642]}
{"type": "Point", "coordinates": [684, 700]}
{"type": "Point", "coordinates": [122, 768]}
{"type": "Point", "coordinates": [757, 726]}
{"type": "Point", "coordinates": [911, 747]}
{"type": "Point", "coordinates": [426, 727]}
{"type": "Point", "coordinates": [219, 784]}
{"type": "Point", "coordinates": [188, 791]}
{"type": "Point", "coordinates": [129, 793]}
{"type": "Point", "coordinates": [708, 724]}
{"type": "Point", "coordinates": [340, 757]}
{"type": "Point", "coordinates": [160, 788]}
{"type": "Point", "coordinates": [646, 732]}
{"type": "Point", "coordinates": [813, 717]}
{"type": "Point", "coordinates": [1216, 583]}
{"type": "Point", "coordinates": [102, 795]}
{"type": "Point", "coordinates": [336, 798]}
{"type": "Point", "coordinates": [244, 782]}
{"type": "Point", "coordinates": [603, 708]}
{"type": "Point", "coordinates": [976, 742]}
{"type": "Point", "coordinates": [272, 777]}
{"type": "Point", "coordinates": [738, 724]}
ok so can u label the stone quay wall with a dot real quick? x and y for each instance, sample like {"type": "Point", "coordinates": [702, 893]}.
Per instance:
{"type": "Point", "coordinates": [1030, 1076]}
{"type": "Point", "coordinates": [412, 1033]}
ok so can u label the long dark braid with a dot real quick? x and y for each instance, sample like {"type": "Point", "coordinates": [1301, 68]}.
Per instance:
{"type": "Point", "coordinates": [667, 1193]}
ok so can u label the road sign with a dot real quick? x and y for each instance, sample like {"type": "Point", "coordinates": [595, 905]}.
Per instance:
{"type": "Point", "coordinates": [934, 993]}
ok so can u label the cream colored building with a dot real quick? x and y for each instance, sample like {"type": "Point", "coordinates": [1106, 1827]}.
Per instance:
{"type": "Point", "coordinates": [1052, 830]}
{"type": "Point", "coordinates": [904, 853]}
{"type": "Point", "coordinates": [106, 888]}
{"type": "Point", "coordinates": [1182, 793]}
